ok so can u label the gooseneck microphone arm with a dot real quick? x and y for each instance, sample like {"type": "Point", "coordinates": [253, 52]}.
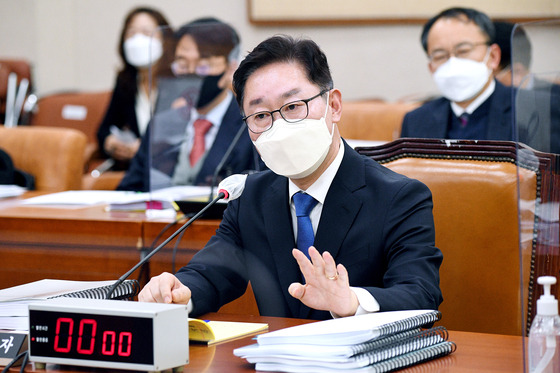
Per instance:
{"type": "Point", "coordinates": [221, 195]}
{"type": "Point", "coordinates": [220, 165]}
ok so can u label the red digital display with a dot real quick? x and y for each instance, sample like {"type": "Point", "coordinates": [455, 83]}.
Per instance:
{"type": "Point", "coordinates": [91, 337]}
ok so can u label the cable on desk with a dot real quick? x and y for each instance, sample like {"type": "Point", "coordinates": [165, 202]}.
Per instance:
{"type": "Point", "coordinates": [23, 355]}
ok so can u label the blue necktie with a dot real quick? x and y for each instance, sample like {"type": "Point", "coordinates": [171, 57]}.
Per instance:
{"type": "Point", "coordinates": [304, 203]}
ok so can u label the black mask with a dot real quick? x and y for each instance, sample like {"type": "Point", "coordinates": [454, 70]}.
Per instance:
{"type": "Point", "coordinates": [209, 90]}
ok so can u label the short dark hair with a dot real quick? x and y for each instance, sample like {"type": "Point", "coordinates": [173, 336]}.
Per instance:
{"type": "Point", "coordinates": [212, 36]}
{"type": "Point", "coordinates": [284, 48]}
{"type": "Point", "coordinates": [521, 44]}
{"type": "Point", "coordinates": [478, 18]}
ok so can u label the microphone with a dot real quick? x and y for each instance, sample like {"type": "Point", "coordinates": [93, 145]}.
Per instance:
{"type": "Point", "coordinates": [229, 189]}
{"type": "Point", "coordinates": [232, 186]}
{"type": "Point", "coordinates": [220, 165]}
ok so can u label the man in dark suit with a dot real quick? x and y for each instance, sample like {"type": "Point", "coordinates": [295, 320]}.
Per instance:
{"type": "Point", "coordinates": [462, 56]}
{"type": "Point", "coordinates": [364, 234]}
{"type": "Point", "coordinates": [205, 58]}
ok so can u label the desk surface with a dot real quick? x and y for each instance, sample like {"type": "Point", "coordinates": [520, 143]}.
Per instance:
{"type": "Point", "coordinates": [84, 243]}
{"type": "Point", "coordinates": [91, 244]}
{"type": "Point", "coordinates": [476, 352]}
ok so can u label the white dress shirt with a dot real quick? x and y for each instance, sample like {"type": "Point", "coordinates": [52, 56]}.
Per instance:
{"type": "Point", "coordinates": [319, 190]}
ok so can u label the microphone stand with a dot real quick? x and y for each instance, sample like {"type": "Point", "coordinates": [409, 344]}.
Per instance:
{"type": "Point", "coordinates": [224, 159]}
{"type": "Point", "coordinates": [220, 196]}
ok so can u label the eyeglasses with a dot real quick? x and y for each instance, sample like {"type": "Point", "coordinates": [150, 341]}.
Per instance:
{"type": "Point", "coordinates": [462, 50]}
{"type": "Point", "coordinates": [214, 65]}
{"type": "Point", "coordinates": [292, 112]}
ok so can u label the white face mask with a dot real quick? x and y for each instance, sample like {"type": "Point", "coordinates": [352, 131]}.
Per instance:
{"type": "Point", "coordinates": [295, 150]}
{"type": "Point", "coordinates": [141, 50]}
{"type": "Point", "coordinates": [460, 79]}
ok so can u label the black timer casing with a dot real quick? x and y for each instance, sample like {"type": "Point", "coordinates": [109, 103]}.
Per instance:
{"type": "Point", "coordinates": [108, 334]}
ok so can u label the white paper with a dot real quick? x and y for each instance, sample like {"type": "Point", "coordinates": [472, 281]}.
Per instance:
{"type": "Point", "coordinates": [14, 301]}
{"type": "Point", "coordinates": [94, 197]}
{"type": "Point", "coordinates": [11, 191]}
{"type": "Point", "coordinates": [345, 330]}
{"type": "Point", "coordinates": [43, 289]}
{"type": "Point", "coordinates": [79, 197]}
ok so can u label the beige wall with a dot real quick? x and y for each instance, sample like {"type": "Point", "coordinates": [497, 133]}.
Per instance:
{"type": "Point", "coordinates": [72, 44]}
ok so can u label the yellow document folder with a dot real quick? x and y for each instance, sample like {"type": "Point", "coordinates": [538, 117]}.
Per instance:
{"type": "Point", "coordinates": [211, 332]}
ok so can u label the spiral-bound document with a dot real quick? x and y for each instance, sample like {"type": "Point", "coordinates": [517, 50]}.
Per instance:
{"type": "Point", "coordinates": [14, 300]}
{"type": "Point", "coordinates": [389, 365]}
{"type": "Point", "coordinates": [126, 290]}
{"type": "Point", "coordinates": [376, 342]}
{"type": "Point", "coordinates": [352, 330]}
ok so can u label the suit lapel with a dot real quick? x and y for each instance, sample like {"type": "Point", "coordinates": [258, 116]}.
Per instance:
{"type": "Point", "coordinates": [499, 117]}
{"type": "Point", "coordinates": [278, 226]}
{"type": "Point", "coordinates": [340, 208]}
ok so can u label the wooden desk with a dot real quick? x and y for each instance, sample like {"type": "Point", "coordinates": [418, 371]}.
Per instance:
{"type": "Point", "coordinates": [476, 352]}
{"type": "Point", "coordinates": [39, 242]}
{"type": "Point", "coordinates": [90, 244]}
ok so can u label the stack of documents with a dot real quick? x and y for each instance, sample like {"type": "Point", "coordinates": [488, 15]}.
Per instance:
{"type": "Point", "coordinates": [376, 342]}
{"type": "Point", "coordinates": [14, 301]}
{"type": "Point", "coordinates": [122, 200]}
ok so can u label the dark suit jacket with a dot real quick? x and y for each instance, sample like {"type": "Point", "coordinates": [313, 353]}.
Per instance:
{"type": "Point", "coordinates": [375, 222]}
{"type": "Point", "coordinates": [120, 113]}
{"type": "Point", "coordinates": [166, 149]}
{"type": "Point", "coordinates": [431, 120]}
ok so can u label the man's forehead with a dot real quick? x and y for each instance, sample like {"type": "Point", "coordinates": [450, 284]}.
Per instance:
{"type": "Point", "coordinates": [187, 45]}
{"type": "Point", "coordinates": [283, 95]}
{"type": "Point", "coordinates": [275, 81]}
{"type": "Point", "coordinates": [464, 30]}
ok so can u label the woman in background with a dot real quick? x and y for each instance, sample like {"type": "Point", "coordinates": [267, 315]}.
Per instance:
{"type": "Point", "coordinates": [146, 49]}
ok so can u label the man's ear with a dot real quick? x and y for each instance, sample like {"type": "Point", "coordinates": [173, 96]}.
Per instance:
{"type": "Point", "coordinates": [335, 98]}
{"type": "Point", "coordinates": [431, 68]}
{"type": "Point", "coordinates": [494, 57]}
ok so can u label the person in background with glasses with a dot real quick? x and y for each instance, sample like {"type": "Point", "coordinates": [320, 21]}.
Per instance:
{"type": "Point", "coordinates": [462, 57]}
{"type": "Point", "coordinates": [325, 232]}
{"type": "Point", "coordinates": [186, 143]}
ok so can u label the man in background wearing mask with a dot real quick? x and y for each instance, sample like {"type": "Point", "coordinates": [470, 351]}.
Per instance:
{"type": "Point", "coordinates": [185, 144]}
{"type": "Point", "coordinates": [364, 234]}
{"type": "Point", "coordinates": [462, 56]}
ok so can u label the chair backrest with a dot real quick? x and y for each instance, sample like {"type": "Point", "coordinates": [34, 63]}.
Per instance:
{"type": "Point", "coordinates": [373, 120]}
{"type": "Point", "coordinates": [474, 186]}
{"type": "Point", "coordinates": [83, 111]}
{"type": "Point", "coordinates": [54, 156]}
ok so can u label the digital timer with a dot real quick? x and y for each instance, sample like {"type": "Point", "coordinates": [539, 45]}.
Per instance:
{"type": "Point", "coordinates": [108, 334]}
